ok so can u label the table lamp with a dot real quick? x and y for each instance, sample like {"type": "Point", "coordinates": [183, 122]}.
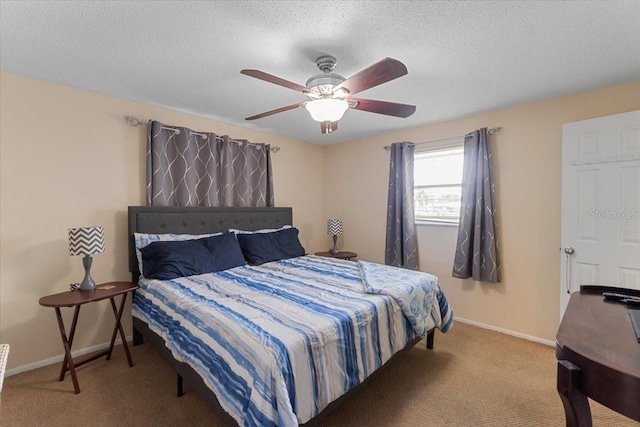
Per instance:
{"type": "Point", "coordinates": [86, 241]}
{"type": "Point", "coordinates": [334, 228]}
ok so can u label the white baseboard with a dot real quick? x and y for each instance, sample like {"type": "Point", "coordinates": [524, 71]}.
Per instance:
{"type": "Point", "coordinates": [506, 331]}
{"type": "Point", "coordinates": [58, 359]}
{"type": "Point", "coordinates": [83, 351]}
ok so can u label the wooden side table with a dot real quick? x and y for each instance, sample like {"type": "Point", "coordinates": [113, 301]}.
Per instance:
{"type": "Point", "coordinates": [78, 298]}
{"type": "Point", "coordinates": [598, 356]}
{"type": "Point", "coordinates": [341, 255]}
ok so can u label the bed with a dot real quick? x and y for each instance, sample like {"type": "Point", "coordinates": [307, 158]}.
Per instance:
{"type": "Point", "coordinates": [282, 342]}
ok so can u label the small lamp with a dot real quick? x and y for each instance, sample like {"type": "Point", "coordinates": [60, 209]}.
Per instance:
{"type": "Point", "coordinates": [86, 241]}
{"type": "Point", "coordinates": [334, 228]}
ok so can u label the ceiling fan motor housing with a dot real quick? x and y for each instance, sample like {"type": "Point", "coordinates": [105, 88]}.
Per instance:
{"type": "Point", "coordinates": [324, 82]}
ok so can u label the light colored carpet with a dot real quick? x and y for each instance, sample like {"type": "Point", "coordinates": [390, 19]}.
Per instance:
{"type": "Point", "coordinates": [473, 377]}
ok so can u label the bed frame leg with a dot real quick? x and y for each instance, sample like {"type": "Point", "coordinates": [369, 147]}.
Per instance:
{"type": "Point", "coordinates": [430, 338]}
{"type": "Point", "coordinates": [138, 338]}
{"type": "Point", "coordinates": [180, 387]}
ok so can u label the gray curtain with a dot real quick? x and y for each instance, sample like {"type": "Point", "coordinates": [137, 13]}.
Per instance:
{"type": "Point", "coordinates": [401, 248]}
{"type": "Point", "coordinates": [477, 245]}
{"type": "Point", "coordinates": [187, 168]}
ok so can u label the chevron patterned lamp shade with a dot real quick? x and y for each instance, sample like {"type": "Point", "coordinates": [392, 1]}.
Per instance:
{"type": "Point", "coordinates": [86, 241]}
{"type": "Point", "coordinates": [334, 228]}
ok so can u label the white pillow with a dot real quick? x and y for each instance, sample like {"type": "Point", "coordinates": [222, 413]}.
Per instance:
{"type": "Point", "coordinates": [144, 239]}
{"type": "Point", "coordinates": [264, 230]}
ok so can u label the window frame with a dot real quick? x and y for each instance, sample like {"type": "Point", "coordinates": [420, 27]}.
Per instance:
{"type": "Point", "coordinates": [450, 143]}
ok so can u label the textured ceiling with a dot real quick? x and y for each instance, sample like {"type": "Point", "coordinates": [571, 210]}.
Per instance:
{"type": "Point", "coordinates": [463, 57]}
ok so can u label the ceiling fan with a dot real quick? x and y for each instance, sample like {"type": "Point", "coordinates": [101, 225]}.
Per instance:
{"type": "Point", "coordinates": [330, 94]}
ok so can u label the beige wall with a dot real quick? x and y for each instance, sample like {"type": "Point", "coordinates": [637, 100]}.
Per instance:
{"type": "Point", "coordinates": [528, 181]}
{"type": "Point", "coordinates": [69, 159]}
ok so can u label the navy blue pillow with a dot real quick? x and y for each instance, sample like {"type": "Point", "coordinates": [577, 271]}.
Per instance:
{"type": "Point", "coordinates": [225, 251]}
{"type": "Point", "coordinates": [172, 259]}
{"type": "Point", "coordinates": [259, 248]}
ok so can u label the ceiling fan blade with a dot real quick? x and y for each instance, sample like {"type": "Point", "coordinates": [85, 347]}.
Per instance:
{"type": "Point", "coordinates": [380, 72]}
{"type": "Point", "coordinates": [328, 127]}
{"type": "Point", "coordinates": [276, 111]}
{"type": "Point", "coordinates": [384, 107]}
{"type": "Point", "coordinates": [275, 80]}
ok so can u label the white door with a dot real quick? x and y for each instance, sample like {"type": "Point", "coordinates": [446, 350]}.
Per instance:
{"type": "Point", "coordinates": [600, 203]}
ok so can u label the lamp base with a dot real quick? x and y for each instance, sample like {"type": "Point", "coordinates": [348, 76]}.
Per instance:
{"type": "Point", "coordinates": [334, 250]}
{"type": "Point", "coordinates": [88, 284]}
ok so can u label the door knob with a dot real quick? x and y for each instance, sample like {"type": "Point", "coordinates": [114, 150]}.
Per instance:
{"type": "Point", "coordinates": [569, 251]}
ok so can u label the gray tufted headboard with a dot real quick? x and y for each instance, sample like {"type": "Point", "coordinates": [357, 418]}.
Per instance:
{"type": "Point", "coordinates": [199, 220]}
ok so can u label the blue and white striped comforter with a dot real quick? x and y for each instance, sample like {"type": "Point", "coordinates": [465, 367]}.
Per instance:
{"type": "Point", "coordinates": [277, 343]}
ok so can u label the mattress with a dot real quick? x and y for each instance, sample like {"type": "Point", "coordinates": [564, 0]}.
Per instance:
{"type": "Point", "coordinates": [278, 342]}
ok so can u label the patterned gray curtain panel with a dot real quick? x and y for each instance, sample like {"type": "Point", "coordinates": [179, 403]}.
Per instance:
{"type": "Point", "coordinates": [187, 168]}
{"type": "Point", "coordinates": [401, 248]}
{"type": "Point", "coordinates": [477, 245]}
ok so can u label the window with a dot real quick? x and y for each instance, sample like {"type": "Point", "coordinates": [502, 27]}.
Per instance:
{"type": "Point", "coordinates": [438, 183]}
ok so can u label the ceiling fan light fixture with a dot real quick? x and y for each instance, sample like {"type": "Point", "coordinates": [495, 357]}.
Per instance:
{"type": "Point", "coordinates": [327, 109]}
